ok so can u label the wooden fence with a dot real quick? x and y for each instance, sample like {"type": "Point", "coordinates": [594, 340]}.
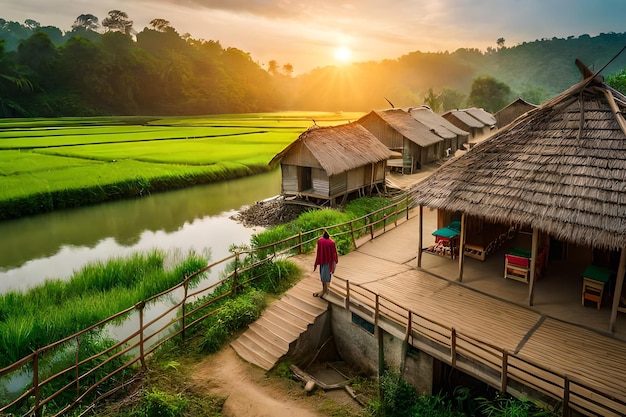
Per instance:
{"type": "Point", "coordinates": [91, 380]}
{"type": "Point", "coordinates": [483, 360]}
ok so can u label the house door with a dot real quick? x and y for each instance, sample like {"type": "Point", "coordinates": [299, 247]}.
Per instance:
{"type": "Point", "coordinates": [304, 179]}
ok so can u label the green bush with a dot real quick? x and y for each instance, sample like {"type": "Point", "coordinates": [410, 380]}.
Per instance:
{"type": "Point", "coordinates": [157, 403]}
{"type": "Point", "coordinates": [234, 314]}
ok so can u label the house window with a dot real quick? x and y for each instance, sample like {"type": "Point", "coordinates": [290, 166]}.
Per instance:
{"type": "Point", "coordinates": [362, 323]}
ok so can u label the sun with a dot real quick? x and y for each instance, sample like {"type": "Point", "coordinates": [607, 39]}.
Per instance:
{"type": "Point", "coordinates": [343, 54]}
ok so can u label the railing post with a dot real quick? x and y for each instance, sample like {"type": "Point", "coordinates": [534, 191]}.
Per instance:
{"type": "Point", "coordinates": [300, 242]}
{"type": "Point", "coordinates": [409, 327]}
{"type": "Point", "coordinates": [377, 313]}
{"type": "Point", "coordinates": [566, 409]}
{"type": "Point", "coordinates": [453, 347]}
{"type": "Point", "coordinates": [36, 383]}
{"type": "Point", "coordinates": [140, 306]}
{"type": "Point", "coordinates": [77, 359]}
{"type": "Point", "coordinates": [347, 294]}
{"type": "Point", "coordinates": [371, 228]}
{"type": "Point", "coordinates": [352, 234]}
{"type": "Point", "coordinates": [235, 277]}
{"type": "Point", "coordinates": [407, 206]}
{"type": "Point", "coordinates": [184, 314]}
{"type": "Point", "coordinates": [395, 215]}
{"type": "Point", "coordinates": [505, 371]}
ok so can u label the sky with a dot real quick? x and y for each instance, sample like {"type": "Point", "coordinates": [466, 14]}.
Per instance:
{"type": "Point", "coordinates": [316, 33]}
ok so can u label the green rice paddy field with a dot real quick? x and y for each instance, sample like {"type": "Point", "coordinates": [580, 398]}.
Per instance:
{"type": "Point", "coordinates": [49, 164]}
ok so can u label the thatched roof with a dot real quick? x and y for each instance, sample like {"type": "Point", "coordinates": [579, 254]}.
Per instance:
{"type": "Point", "coordinates": [481, 115]}
{"type": "Point", "coordinates": [560, 168]}
{"type": "Point", "coordinates": [464, 117]}
{"type": "Point", "coordinates": [512, 111]}
{"type": "Point", "coordinates": [408, 127]}
{"type": "Point", "coordinates": [339, 148]}
{"type": "Point", "coordinates": [438, 124]}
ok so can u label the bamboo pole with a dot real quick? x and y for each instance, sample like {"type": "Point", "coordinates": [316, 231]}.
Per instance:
{"type": "Point", "coordinates": [618, 289]}
{"type": "Point", "coordinates": [140, 306]}
{"type": "Point", "coordinates": [533, 265]}
{"type": "Point", "coordinates": [461, 247]}
{"type": "Point", "coordinates": [420, 237]}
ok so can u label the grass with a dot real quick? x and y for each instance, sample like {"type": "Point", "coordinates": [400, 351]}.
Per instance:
{"type": "Point", "coordinates": [56, 309]}
{"type": "Point", "coordinates": [51, 164]}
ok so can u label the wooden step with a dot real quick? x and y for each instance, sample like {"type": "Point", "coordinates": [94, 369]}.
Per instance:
{"type": "Point", "coordinates": [288, 314]}
{"type": "Point", "coordinates": [262, 335]}
{"type": "Point", "coordinates": [249, 355]}
{"type": "Point", "coordinates": [261, 345]}
{"type": "Point", "coordinates": [279, 319]}
{"type": "Point", "coordinates": [276, 330]}
{"type": "Point", "coordinates": [298, 309]}
{"type": "Point", "coordinates": [309, 303]}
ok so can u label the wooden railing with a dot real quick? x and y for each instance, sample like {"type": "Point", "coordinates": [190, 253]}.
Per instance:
{"type": "Point", "coordinates": [129, 353]}
{"type": "Point", "coordinates": [483, 360]}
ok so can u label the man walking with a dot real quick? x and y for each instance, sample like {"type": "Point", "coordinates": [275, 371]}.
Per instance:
{"type": "Point", "coordinates": [326, 258]}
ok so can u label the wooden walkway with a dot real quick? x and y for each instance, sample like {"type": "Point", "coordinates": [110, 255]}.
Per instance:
{"type": "Point", "coordinates": [386, 266]}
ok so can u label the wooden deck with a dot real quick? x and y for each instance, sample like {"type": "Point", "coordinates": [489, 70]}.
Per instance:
{"type": "Point", "coordinates": [557, 332]}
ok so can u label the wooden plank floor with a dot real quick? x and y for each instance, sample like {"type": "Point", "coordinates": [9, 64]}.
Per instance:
{"type": "Point", "coordinates": [494, 311]}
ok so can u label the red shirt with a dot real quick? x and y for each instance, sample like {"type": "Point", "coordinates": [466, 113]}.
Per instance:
{"type": "Point", "coordinates": [326, 253]}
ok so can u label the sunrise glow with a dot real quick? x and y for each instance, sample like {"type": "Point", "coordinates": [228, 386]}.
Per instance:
{"type": "Point", "coordinates": [343, 54]}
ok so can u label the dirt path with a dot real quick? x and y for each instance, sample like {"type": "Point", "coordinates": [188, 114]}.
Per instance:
{"type": "Point", "coordinates": [248, 392]}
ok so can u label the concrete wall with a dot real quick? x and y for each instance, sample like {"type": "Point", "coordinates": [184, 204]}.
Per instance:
{"type": "Point", "coordinates": [360, 349]}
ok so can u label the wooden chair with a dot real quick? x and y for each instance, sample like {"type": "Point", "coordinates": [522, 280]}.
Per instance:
{"type": "Point", "coordinates": [593, 291]}
{"type": "Point", "coordinates": [516, 267]}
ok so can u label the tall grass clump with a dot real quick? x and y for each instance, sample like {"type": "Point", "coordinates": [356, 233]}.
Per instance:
{"type": "Point", "coordinates": [323, 218]}
{"type": "Point", "coordinates": [35, 318]}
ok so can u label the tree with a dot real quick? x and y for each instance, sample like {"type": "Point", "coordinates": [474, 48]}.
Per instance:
{"type": "Point", "coordinates": [433, 100]}
{"type": "Point", "coordinates": [618, 81]}
{"type": "Point", "coordinates": [489, 93]}
{"type": "Point", "coordinates": [160, 25]}
{"type": "Point", "coordinates": [118, 21]}
{"type": "Point", "coordinates": [500, 43]}
{"type": "Point", "coordinates": [288, 69]}
{"type": "Point", "coordinates": [86, 22]}
{"type": "Point", "coordinates": [451, 99]}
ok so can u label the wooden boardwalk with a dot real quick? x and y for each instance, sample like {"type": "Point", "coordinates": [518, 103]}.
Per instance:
{"type": "Point", "coordinates": [386, 266]}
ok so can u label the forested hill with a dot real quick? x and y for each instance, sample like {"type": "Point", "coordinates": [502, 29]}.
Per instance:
{"type": "Point", "coordinates": [90, 71]}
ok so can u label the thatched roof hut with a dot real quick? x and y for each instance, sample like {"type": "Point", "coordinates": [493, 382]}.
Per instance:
{"type": "Point", "coordinates": [400, 132]}
{"type": "Point", "coordinates": [512, 111]}
{"type": "Point", "coordinates": [475, 121]}
{"type": "Point", "coordinates": [329, 162]}
{"type": "Point", "coordinates": [453, 136]}
{"type": "Point", "coordinates": [560, 168]}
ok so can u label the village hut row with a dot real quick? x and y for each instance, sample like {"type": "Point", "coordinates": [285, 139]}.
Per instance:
{"type": "Point", "coordinates": [559, 171]}
{"type": "Point", "coordinates": [326, 165]}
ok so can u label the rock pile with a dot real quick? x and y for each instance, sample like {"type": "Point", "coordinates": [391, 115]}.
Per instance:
{"type": "Point", "coordinates": [269, 213]}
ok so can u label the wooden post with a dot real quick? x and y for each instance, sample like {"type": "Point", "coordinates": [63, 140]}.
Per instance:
{"type": "Point", "coordinates": [618, 289]}
{"type": "Point", "coordinates": [566, 409]}
{"type": "Point", "coordinates": [461, 247]}
{"type": "Point", "coordinates": [505, 371]}
{"type": "Point", "coordinates": [420, 237]}
{"type": "Point", "coordinates": [395, 215]}
{"type": "Point", "coordinates": [184, 313]}
{"type": "Point", "coordinates": [371, 228]}
{"type": "Point", "coordinates": [77, 359]}
{"type": "Point", "coordinates": [140, 306]}
{"type": "Point", "coordinates": [377, 312]}
{"type": "Point", "coordinates": [453, 347]}
{"type": "Point", "coordinates": [352, 234]}
{"type": "Point", "coordinates": [36, 383]}
{"type": "Point", "coordinates": [407, 206]}
{"type": "Point", "coordinates": [235, 277]}
{"type": "Point", "coordinates": [533, 264]}
{"type": "Point", "coordinates": [300, 242]}
{"type": "Point", "coordinates": [381, 351]}
{"type": "Point", "coordinates": [348, 295]}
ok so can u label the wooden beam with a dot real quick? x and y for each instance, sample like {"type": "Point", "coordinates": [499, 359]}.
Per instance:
{"type": "Point", "coordinates": [533, 265]}
{"type": "Point", "coordinates": [461, 247]}
{"type": "Point", "coordinates": [420, 237]}
{"type": "Point", "coordinates": [618, 289]}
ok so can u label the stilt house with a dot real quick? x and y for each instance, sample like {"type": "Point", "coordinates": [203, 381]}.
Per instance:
{"type": "Point", "coordinates": [512, 111]}
{"type": "Point", "coordinates": [325, 165]}
{"type": "Point", "coordinates": [476, 121]}
{"type": "Point", "coordinates": [557, 172]}
{"type": "Point", "coordinates": [400, 132]}
{"type": "Point", "coordinates": [453, 137]}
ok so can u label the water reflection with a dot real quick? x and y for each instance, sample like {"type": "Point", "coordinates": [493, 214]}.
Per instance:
{"type": "Point", "coordinates": [53, 245]}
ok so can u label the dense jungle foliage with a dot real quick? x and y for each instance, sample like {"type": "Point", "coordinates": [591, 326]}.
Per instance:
{"type": "Point", "coordinates": [112, 69]}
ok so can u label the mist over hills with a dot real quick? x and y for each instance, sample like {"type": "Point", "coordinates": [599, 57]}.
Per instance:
{"type": "Point", "coordinates": [50, 73]}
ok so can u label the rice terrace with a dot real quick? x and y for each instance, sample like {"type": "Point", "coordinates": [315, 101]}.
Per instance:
{"type": "Point", "coordinates": [50, 164]}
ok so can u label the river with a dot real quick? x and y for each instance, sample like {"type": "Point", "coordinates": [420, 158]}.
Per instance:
{"type": "Point", "coordinates": [53, 245]}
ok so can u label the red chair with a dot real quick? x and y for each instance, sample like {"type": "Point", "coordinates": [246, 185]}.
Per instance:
{"type": "Point", "coordinates": [516, 267]}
